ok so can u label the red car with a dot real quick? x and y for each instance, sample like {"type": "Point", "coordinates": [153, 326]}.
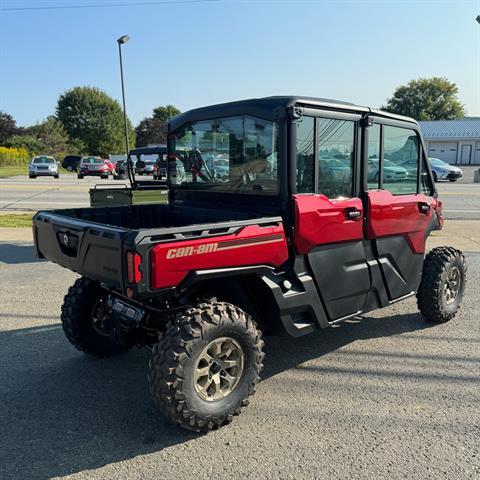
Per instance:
{"type": "Point", "coordinates": [111, 165]}
{"type": "Point", "coordinates": [93, 166]}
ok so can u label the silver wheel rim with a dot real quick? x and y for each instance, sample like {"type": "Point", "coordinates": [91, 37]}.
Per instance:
{"type": "Point", "coordinates": [451, 286]}
{"type": "Point", "coordinates": [219, 369]}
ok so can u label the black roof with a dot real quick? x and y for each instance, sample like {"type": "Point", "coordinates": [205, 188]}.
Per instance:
{"type": "Point", "coordinates": [148, 150]}
{"type": "Point", "coordinates": [268, 108]}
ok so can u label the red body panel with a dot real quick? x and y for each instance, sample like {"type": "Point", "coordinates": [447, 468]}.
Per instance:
{"type": "Point", "coordinates": [320, 221]}
{"type": "Point", "coordinates": [399, 215]}
{"type": "Point", "coordinates": [252, 245]}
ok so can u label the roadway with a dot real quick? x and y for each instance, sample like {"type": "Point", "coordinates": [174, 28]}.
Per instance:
{"type": "Point", "coordinates": [461, 200]}
{"type": "Point", "coordinates": [385, 396]}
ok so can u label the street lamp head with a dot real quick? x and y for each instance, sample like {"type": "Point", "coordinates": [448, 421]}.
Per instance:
{"type": "Point", "coordinates": [478, 18]}
{"type": "Point", "coordinates": [123, 39]}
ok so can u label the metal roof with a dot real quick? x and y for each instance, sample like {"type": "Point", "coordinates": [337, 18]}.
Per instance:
{"type": "Point", "coordinates": [444, 129]}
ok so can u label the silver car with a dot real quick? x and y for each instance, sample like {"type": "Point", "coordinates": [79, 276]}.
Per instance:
{"type": "Point", "coordinates": [43, 166]}
{"type": "Point", "coordinates": [444, 171]}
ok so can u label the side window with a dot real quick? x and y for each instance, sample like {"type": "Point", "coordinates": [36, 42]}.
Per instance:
{"type": "Point", "coordinates": [373, 169]}
{"type": "Point", "coordinates": [400, 163]}
{"type": "Point", "coordinates": [336, 140]}
{"type": "Point", "coordinates": [426, 185]}
{"type": "Point", "coordinates": [305, 155]}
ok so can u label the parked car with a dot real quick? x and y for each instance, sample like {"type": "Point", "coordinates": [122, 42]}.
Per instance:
{"type": "Point", "coordinates": [120, 170]}
{"type": "Point", "coordinates": [144, 167]}
{"type": "Point", "coordinates": [111, 165]}
{"type": "Point", "coordinates": [93, 166]}
{"type": "Point", "coordinates": [391, 171]}
{"type": "Point", "coordinates": [197, 280]}
{"type": "Point", "coordinates": [43, 166]}
{"type": "Point", "coordinates": [70, 162]}
{"type": "Point", "coordinates": [444, 171]}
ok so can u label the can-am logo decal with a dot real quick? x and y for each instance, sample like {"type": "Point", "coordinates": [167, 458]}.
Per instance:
{"type": "Point", "coordinates": [220, 246]}
{"type": "Point", "coordinates": [191, 250]}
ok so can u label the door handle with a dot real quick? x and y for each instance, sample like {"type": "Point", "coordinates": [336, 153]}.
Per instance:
{"type": "Point", "coordinates": [423, 208]}
{"type": "Point", "coordinates": [352, 213]}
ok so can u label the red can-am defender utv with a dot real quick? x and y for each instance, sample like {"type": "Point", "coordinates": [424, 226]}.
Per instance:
{"type": "Point", "coordinates": [296, 234]}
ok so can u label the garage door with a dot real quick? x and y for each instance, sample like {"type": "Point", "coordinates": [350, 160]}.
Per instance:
{"type": "Point", "coordinates": [446, 151]}
{"type": "Point", "coordinates": [477, 153]}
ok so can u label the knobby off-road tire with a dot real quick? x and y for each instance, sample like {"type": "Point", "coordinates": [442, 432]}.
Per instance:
{"type": "Point", "coordinates": [77, 320]}
{"type": "Point", "coordinates": [443, 283]}
{"type": "Point", "coordinates": [176, 368]}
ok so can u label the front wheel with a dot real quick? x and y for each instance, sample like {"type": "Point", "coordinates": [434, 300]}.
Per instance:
{"type": "Point", "coordinates": [435, 178]}
{"type": "Point", "coordinates": [86, 322]}
{"type": "Point", "coordinates": [452, 179]}
{"type": "Point", "coordinates": [80, 176]}
{"type": "Point", "coordinates": [206, 365]}
{"type": "Point", "coordinates": [443, 283]}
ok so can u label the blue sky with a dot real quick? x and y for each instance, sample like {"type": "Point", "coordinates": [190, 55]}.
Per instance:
{"type": "Point", "coordinates": [196, 54]}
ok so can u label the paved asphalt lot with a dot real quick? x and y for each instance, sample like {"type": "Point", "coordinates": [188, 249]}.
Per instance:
{"type": "Point", "coordinates": [461, 200]}
{"type": "Point", "coordinates": [385, 396]}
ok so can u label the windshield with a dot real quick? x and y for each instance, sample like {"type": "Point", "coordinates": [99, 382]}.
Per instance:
{"type": "Point", "coordinates": [233, 154]}
{"type": "Point", "coordinates": [43, 160]}
{"type": "Point", "coordinates": [437, 162]}
{"type": "Point", "coordinates": [90, 160]}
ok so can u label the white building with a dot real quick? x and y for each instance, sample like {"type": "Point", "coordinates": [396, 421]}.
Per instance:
{"type": "Point", "coordinates": [454, 141]}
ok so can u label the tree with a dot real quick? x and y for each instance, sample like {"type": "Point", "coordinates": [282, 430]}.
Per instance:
{"type": "Point", "coordinates": [89, 115]}
{"type": "Point", "coordinates": [152, 129]}
{"type": "Point", "coordinates": [165, 112]}
{"type": "Point", "coordinates": [28, 142]}
{"type": "Point", "coordinates": [51, 134]}
{"type": "Point", "coordinates": [427, 99]}
{"type": "Point", "coordinates": [8, 126]}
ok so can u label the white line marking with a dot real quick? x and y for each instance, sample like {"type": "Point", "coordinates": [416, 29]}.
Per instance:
{"type": "Point", "coordinates": [36, 330]}
{"type": "Point", "coordinates": [461, 211]}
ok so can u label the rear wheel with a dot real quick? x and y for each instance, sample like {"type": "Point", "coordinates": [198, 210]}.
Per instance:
{"type": "Point", "coordinates": [56, 176]}
{"type": "Point", "coordinates": [32, 176]}
{"type": "Point", "coordinates": [86, 321]}
{"type": "Point", "coordinates": [435, 179]}
{"type": "Point", "coordinates": [206, 366]}
{"type": "Point", "coordinates": [80, 176]}
{"type": "Point", "coordinates": [443, 283]}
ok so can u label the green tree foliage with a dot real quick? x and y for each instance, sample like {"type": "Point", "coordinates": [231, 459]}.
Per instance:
{"type": "Point", "coordinates": [90, 116]}
{"type": "Point", "coordinates": [165, 112]}
{"type": "Point", "coordinates": [28, 142]}
{"type": "Point", "coordinates": [150, 130]}
{"type": "Point", "coordinates": [427, 99]}
{"type": "Point", "coordinates": [53, 137]}
{"type": "Point", "coordinates": [8, 127]}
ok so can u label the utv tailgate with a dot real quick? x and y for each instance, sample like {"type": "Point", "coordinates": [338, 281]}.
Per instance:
{"type": "Point", "coordinates": [85, 247]}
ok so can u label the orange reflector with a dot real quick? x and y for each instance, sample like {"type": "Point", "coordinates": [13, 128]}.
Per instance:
{"type": "Point", "coordinates": [133, 267]}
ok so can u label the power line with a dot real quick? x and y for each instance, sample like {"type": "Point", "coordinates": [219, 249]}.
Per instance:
{"type": "Point", "coordinates": [104, 5]}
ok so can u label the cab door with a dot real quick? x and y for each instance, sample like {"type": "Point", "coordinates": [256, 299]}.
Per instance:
{"type": "Point", "coordinates": [329, 211]}
{"type": "Point", "coordinates": [400, 206]}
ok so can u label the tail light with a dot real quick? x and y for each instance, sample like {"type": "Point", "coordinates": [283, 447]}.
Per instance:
{"type": "Point", "coordinates": [133, 267]}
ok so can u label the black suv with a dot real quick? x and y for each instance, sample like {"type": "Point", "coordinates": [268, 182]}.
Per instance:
{"type": "Point", "coordinates": [70, 162]}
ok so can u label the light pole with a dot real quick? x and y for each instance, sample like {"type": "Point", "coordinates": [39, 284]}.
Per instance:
{"type": "Point", "coordinates": [123, 39]}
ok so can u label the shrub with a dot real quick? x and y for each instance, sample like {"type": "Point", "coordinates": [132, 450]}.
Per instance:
{"type": "Point", "coordinates": [14, 157]}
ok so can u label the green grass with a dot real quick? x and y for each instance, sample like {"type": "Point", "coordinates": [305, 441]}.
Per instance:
{"type": "Point", "coordinates": [14, 220]}
{"type": "Point", "coordinates": [6, 172]}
